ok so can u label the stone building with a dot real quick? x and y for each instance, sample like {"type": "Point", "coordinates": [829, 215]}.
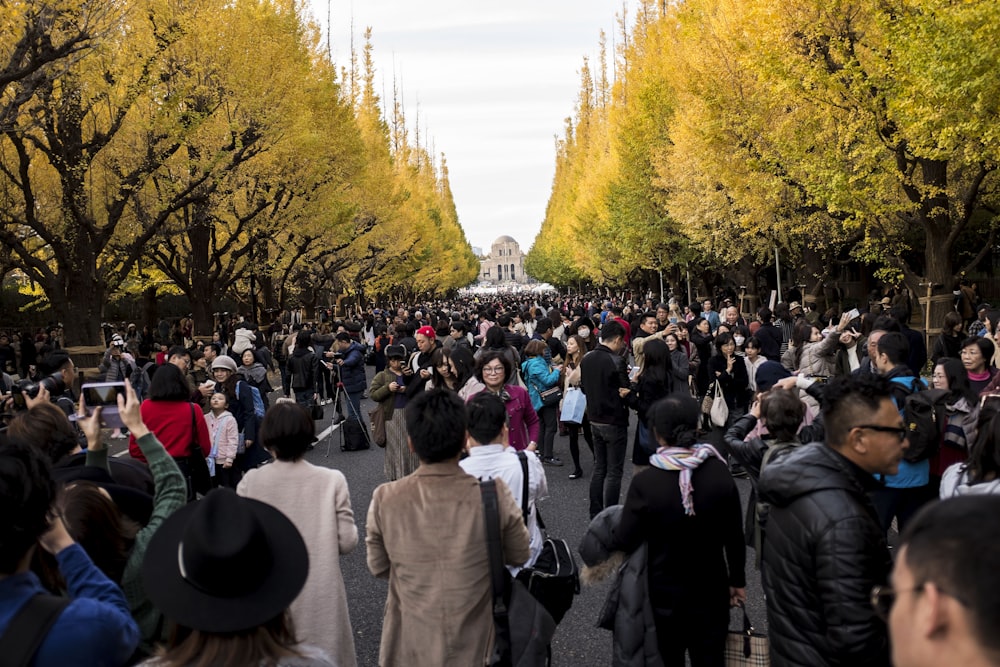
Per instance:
{"type": "Point", "coordinates": [504, 264]}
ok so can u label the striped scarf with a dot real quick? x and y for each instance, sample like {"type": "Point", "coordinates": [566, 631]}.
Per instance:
{"type": "Point", "coordinates": [685, 460]}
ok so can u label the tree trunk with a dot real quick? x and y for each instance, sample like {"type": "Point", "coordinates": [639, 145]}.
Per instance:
{"type": "Point", "coordinates": [78, 304]}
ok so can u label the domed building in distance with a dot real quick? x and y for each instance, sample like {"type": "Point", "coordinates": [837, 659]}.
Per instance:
{"type": "Point", "coordinates": [504, 264]}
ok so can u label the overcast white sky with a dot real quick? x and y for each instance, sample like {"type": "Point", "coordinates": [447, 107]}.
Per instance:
{"type": "Point", "coordinates": [494, 83]}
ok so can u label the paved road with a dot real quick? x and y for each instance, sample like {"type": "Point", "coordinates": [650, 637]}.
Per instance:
{"type": "Point", "coordinates": [577, 640]}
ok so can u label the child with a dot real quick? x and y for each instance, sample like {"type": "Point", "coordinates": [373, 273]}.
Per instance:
{"type": "Point", "coordinates": [225, 440]}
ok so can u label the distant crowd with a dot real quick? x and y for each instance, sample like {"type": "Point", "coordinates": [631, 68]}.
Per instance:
{"type": "Point", "coordinates": [216, 542]}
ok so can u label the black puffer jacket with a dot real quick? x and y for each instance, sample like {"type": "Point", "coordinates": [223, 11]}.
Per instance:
{"type": "Point", "coordinates": [824, 549]}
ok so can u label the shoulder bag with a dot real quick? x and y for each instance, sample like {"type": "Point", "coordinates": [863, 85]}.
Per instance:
{"type": "Point", "coordinates": [522, 626]}
{"type": "Point", "coordinates": [554, 578]}
{"type": "Point", "coordinates": [376, 417]}
{"type": "Point", "coordinates": [29, 627]}
{"type": "Point", "coordinates": [199, 477]}
{"type": "Point", "coordinates": [720, 410]}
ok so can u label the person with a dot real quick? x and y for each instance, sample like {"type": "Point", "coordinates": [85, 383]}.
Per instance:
{"type": "Point", "coordinates": [980, 473]}
{"type": "Point", "coordinates": [490, 458]}
{"type": "Point", "coordinates": [941, 606]}
{"type": "Point", "coordinates": [539, 377]}
{"type": "Point", "coordinates": [317, 500]}
{"type": "Point", "coordinates": [303, 378]}
{"type": "Point", "coordinates": [224, 432]}
{"type": "Point", "coordinates": [648, 330]}
{"type": "Point", "coordinates": [241, 405]}
{"type": "Point", "coordinates": [908, 488]}
{"type": "Point", "coordinates": [224, 571]}
{"type": "Point", "coordinates": [977, 357]}
{"type": "Point", "coordinates": [46, 426]}
{"type": "Point", "coordinates": [782, 412]}
{"type": "Point", "coordinates": [442, 614]}
{"type": "Point", "coordinates": [115, 542]}
{"type": "Point", "coordinates": [253, 372]}
{"type": "Point", "coordinates": [496, 342]}
{"type": "Point", "coordinates": [421, 360]}
{"type": "Point", "coordinates": [710, 315]}
{"type": "Point", "coordinates": [700, 336]}
{"type": "Point", "coordinates": [769, 336]}
{"type": "Point", "coordinates": [680, 364]}
{"type": "Point", "coordinates": [824, 546]}
{"type": "Point", "coordinates": [730, 371]}
{"type": "Point", "coordinates": [462, 365]}
{"type": "Point", "coordinates": [686, 509]}
{"type": "Point", "coordinates": [95, 628]}
{"type": "Point", "coordinates": [175, 421]}
{"type": "Point", "coordinates": [441, 375]}
{"type": "Point", "coordinates": [388, 389]}
{"type": "Point", "coordinates": [949, 342]}
{"type": "Point", "coordinates": [653, 382]}
{"type": "Point", "coordinates": [58, 365]}
{"type": "Point", "coordinates": [962, 413]}
{"type": "Point", "coordinates": [352, 370]}
{"type": "Point", "coordinates": [493, 369]}
{"type": "Point", "coordinates": [604, 380]}
{"type": "Point", "coordinates": [575, 349]}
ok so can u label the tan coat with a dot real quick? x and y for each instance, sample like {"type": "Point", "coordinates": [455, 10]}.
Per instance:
{"type": "Point", "coordinates": [427, 536]}
{"type": "Point", "coordinates": [318, 503]}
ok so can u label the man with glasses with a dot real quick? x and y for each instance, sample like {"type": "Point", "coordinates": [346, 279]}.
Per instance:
{"type": "Point", "coordinates": [942, 605]}
{"type": "Point", "coordinates": [823, 547]}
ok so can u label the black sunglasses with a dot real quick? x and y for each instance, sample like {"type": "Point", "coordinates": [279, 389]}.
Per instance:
{"type": "Point", "coordinates": [900, 431]}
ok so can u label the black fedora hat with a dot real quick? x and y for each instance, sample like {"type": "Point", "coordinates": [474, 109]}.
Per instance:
{"type": "Point", "coordinates": [225, 564]}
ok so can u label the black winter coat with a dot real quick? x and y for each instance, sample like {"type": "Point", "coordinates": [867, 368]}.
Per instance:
{"type": "Point", "coordinates": [824, 550]}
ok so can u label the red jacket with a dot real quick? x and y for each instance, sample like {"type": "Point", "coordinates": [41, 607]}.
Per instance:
{"type": "Point", "coordinates": [170, 421]}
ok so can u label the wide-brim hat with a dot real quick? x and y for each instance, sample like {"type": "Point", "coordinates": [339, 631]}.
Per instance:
{"type": "Point", "coordinates": [225, 564]}
{"type": "Point", "coordinates": [793, 305]}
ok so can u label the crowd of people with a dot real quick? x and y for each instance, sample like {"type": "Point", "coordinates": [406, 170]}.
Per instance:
{"type": "Point", "coordinates": [217, 543]}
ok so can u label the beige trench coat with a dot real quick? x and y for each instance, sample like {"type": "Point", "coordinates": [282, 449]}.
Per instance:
{"type": "Point", "coordinates": [318, 503]}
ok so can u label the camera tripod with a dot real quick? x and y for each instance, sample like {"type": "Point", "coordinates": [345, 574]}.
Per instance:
{"type": "Point", "coordinates": [338, 414]}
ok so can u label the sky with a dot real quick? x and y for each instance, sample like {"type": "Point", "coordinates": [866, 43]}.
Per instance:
{"type": "Point", "coordinates": [493, 85]}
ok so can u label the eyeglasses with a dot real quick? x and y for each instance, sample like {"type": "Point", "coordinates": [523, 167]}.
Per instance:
{"type": "Point", "coordinates": [900, 431]}
{"type": "Point", "coordinates": [492, 370]}
{"type": "Point", "coordinates": [883, 597]}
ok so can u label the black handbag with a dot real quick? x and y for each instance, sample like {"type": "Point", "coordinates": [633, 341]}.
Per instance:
{"type": "Point", "coordinates": [523, 627]}
{"type": "Point", "coordinates": [316, 411]}
{"type": "Point", "coordinates": [554, 579]}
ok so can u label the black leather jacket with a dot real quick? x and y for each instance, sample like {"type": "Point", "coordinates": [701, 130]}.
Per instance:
{"type": "Point", "coordinates": [824, 549]}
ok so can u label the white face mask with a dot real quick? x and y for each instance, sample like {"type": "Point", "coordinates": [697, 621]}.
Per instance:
{"type": "Point", "coordinates": [584, 333]}
{"type": "Point", "coordinates": [739, 340]}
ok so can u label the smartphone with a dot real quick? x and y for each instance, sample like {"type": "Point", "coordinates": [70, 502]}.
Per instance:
{"type": "Point", "coordinates": [853, 314]}
{"type": "Point", "coordinates": [105, 395]}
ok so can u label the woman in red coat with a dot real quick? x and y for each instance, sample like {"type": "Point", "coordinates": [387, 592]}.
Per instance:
{"type": "Point", "coordinates": [176, 422]}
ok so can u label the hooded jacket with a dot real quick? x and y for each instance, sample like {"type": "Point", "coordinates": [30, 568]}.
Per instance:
{"type": "Point", "coordinates": [823, 551]}
{"type": "Point", "coordinates": [955, 482]}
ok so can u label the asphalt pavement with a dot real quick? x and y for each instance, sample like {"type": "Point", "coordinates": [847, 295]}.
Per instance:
{"type": "Point", "coordinates": [577, 641]}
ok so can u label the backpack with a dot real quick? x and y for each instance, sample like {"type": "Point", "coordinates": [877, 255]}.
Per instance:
{"type": "Point", "coordinates": [140, 379]}
{"type": "Point", "coordinates": [258, 401]}
{"type": "Point", "coordinates": [926, 417]}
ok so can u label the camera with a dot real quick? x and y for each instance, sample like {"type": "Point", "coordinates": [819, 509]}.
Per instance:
{"type": "Point", "coordinates": [338, 355]}
{"type": "Point", "coordinates": [29, 388]}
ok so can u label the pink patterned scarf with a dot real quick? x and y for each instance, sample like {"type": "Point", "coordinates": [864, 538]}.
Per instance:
{"type": "Point", "coordinates": [685, 460]}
